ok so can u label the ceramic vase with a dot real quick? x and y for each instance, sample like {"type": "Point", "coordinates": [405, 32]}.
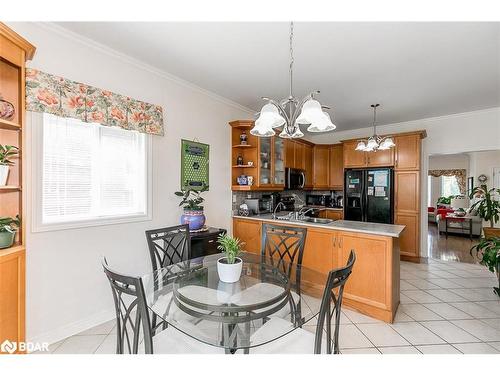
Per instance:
{"type": "Point", "coordinates": [229, 273]}
{"type": "Point", "coordinates": [195, 219]}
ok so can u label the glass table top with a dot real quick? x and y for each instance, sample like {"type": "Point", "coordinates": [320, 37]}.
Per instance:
{"type": "Point", "coordinates": [190, 297]}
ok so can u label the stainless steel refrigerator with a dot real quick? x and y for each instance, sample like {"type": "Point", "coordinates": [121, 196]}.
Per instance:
{"type": "Point", "coordinates": [369, 195]}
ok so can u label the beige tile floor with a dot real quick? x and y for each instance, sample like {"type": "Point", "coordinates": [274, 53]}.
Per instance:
{"type": "Point", "coordinates": [446, 308]}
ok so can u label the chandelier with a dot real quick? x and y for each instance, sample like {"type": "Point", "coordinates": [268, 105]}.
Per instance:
{"type": "Point", "coordinates": [289, 113]}
{"type": "Point", "coordinates": [375, 142]}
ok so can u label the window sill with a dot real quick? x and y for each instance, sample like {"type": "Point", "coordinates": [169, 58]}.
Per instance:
{"type": "Point", "coordinates": [114, 220]}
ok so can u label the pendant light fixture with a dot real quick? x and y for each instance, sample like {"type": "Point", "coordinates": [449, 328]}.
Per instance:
{"type": "Point", "coordinates": [290, 113]}
{"type": "Point", "coordinates": [375, 142]}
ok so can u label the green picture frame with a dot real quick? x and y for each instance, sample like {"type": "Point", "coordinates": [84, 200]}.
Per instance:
{"type": "Point", "coordinates": [194, 165]}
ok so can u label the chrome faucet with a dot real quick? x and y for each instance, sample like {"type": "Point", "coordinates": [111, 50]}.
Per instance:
{"type": "Point", "coordinates": [301, 213]}
{"type": "Point", "coordinates": [276, 208]}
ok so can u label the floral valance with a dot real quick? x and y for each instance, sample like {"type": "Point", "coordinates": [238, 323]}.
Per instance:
{"type": "Point", "coordinates": [460, 174]}
{"type": "Point", "coordinates": [66, 98]}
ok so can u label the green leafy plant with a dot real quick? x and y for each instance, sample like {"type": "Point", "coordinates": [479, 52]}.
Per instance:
{"type": "Point", "coordinates": [488, 207]}
{"type": "Point", "coordinates": [229, 245]}
{"type": "Point", "coordinates": [9, 224]}
{"type": "Point", "coordinates": [487, 251]}
{"type": "Point", "coordinates": [7, 152]}
{"type": "Point", "coordinates": [191, 199]}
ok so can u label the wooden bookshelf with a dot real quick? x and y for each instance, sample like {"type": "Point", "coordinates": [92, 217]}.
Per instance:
{"type": "Point", "coordinates": [14, 52]}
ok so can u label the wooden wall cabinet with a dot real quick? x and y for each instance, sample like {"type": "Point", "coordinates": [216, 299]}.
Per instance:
{"type": "Point", "coordinates": [14, 52]}
{"type": "Point", "coordinates": [321, 168]}
{"type": "Point", "coordinates": [308, 165]}
{"type": "Point", "coordinates": [337, 167]}
{"type": "Point", "coordinates": [249, 231]}
{"type": "Point", "coordinates": [383, 158]}
{"type": "Point", "coordinates": [407, 151]}
{"type": "Point", "coordinates": [352, 157]}
{"type": "Point", "coordinates": [266, 154]}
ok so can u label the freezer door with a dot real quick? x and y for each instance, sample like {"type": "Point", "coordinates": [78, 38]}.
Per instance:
{"type": "Point", "coordinates": [379, 196]}
{"type": "Point", "coordinates": [354, 201]}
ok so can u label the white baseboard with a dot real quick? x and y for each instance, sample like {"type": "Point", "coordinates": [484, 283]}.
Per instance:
{"type": "Point", "coordinates": [71, 329]}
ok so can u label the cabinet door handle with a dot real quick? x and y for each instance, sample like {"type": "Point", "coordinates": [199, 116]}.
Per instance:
{"type": "Point", "coordinates": [334, 241]}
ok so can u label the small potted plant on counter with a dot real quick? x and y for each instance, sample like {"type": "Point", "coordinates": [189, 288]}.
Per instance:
{"type": "Point", "coordinates": [488, 208]}
{"type": "Point", "coordinates": [6, 152]}
{"type": "Point", "coordinates": [8, 229]}
{"type": "Point", "coordinates": [193, 210]}
{"type": "Point", "coordinates": [230, 266]}
{"type": "Point", "coordinates": [488, 253]}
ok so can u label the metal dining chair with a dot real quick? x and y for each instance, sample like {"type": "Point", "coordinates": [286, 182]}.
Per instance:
{"type": "Point", "coordinates": [283, 248]}
{"type": "Point", "coordinates": [169, 245]}
{"type": "Point", "coordinates": [134, 326]}
{"type": "Point", "coordinates": [301, 341]}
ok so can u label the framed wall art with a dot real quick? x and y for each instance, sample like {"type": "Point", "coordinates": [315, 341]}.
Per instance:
{"type": "Point", "coordinates": [194, 165]}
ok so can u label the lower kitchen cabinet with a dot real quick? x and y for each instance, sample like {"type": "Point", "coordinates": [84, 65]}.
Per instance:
{"type": "Point", "coordinates": [318, 253]}
{"type": "Point", "coordinates": [12, 295]}
{"type": "Point", "coordinates": [410, 238]}
{"type": "Point", "coordinates": [373, 287]}
{"type": "Point", "coordinates": [248, 231]}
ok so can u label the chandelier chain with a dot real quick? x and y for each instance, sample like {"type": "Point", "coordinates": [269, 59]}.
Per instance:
{"type": "Point", "coordinates": [291, 59]}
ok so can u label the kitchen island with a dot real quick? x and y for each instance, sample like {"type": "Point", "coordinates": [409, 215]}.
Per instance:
{"type": "Point", "coordinates": [373, 288]}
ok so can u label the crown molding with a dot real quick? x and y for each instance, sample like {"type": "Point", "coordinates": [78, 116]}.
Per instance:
{"type": "Point", "coordinates": [71, 35]}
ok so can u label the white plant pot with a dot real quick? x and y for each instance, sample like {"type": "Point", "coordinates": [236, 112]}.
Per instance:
{"type": "Point", "coordinates": [4, 173]}
{"type": "Point", "coordinates": [229, 273]}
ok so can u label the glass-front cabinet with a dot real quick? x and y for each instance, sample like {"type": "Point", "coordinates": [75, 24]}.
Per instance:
{"type": "Point", "coordinates": [279, 161]}
{"type": "Point", "coordinates": [271, 162]}
{"type": "Point", "coordinates": [265, 161]}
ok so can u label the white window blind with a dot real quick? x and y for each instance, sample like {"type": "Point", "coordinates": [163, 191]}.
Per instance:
{"type": "Point", "coordinates": [449, 186]}
{"type": "Point", "coordinates": [91, 172]}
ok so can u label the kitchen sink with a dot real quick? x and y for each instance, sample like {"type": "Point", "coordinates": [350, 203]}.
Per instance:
{"type": "Point", "coordinates": [317, 220]}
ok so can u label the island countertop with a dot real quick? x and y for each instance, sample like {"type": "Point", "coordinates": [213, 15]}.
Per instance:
{"type": "Point", "coordinates": [389, 230]}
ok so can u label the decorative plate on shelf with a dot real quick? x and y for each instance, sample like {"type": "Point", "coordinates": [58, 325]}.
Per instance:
{"type": "Point", "coordinates": [6, 110]}
{"type": "Point", "coordinates": [482, 178]}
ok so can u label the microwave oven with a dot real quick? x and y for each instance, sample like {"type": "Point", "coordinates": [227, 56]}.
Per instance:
{"type": "Point", "coordinates": [295, 179]}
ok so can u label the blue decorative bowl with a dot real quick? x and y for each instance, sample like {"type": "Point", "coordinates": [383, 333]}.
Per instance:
{"type": "Point", "coordinates": [195, 219]}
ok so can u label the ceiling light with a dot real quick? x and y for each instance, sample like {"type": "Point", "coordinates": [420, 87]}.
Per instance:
{"type": "Point", "coordinates": [375, 142]}
{"type": "Point", "coordinates": [286, 112]}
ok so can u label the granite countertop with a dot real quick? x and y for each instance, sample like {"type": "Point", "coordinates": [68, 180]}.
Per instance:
{"type": "Point", "coordinates": [325, 207]}
{"type": "Point", "coordinates": [389, 230]}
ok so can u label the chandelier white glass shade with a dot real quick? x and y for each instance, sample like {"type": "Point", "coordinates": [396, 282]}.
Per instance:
{"type": "Point", "coordinates": [291, 113]}
{"type": "Point", "coordinates": [375, 142]}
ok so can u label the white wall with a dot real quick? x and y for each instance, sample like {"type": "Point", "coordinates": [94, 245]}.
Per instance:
{"type": "Point", "coordinates": [66, 288]}
{"type": "Point", "coordinates": [453, 134]}
{"type": "Point", "coordinates": [483, 162]}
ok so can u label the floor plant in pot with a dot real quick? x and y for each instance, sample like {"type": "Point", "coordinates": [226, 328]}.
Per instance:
{"type": "Point", "coordinates": [8, 229]}
{"type": "Point", "coordinates": [6, 153]}
{"type": "Point", "coordinates": [488, 208]}
{"type": "Point", "coordinates": [230, 266]}
{"type": "Point", "coordinates": [193, 210]}
{"type": "Point", "coordinates": [487, 252]}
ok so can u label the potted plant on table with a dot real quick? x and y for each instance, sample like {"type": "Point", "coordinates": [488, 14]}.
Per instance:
{"type": "Point", "coordinates": [488, 253]}
{"type": "Point", "coordinates": [8, 229]}
{"type": "Point", "coordinates": [193, 210]}
{"type": "Point", "coordinates": [6, 152]}
{"type": "Point", "coordinates": [488, 208]}
{"type": "Point", "coordinates": [230, 266]}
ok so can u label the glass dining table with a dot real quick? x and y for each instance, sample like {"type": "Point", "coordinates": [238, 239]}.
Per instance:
{"type": "Point", "coordinates": [190, 297]}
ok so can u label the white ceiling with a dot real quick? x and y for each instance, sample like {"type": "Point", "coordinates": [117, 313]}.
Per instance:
{"type": "Point", "coordinates": [415, 70]}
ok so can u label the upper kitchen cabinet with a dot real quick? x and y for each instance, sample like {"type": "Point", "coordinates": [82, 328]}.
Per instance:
{"type": "Point", "coordinates": [352, 157]}
{"type": "Point", "coordinates": [381, 158]}
{"type": "Point", "coordinates": [407, 150]}
{"type": "Point", "coordinates": [278, 161]}
{"type": "Point", "coordinates": [336, 166]}
{"type": "Point", "coordinates": [294, 154]}
{"type": "Point", "coordinates": [321, 169]}
{"type": "Point", "coordinates": [308, 165]}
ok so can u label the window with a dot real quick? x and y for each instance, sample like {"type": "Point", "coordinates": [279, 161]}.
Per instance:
{"type": "Point", "coordinates": [449, 186]}
{"type": "Point", "coordinates": [89, 174]}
